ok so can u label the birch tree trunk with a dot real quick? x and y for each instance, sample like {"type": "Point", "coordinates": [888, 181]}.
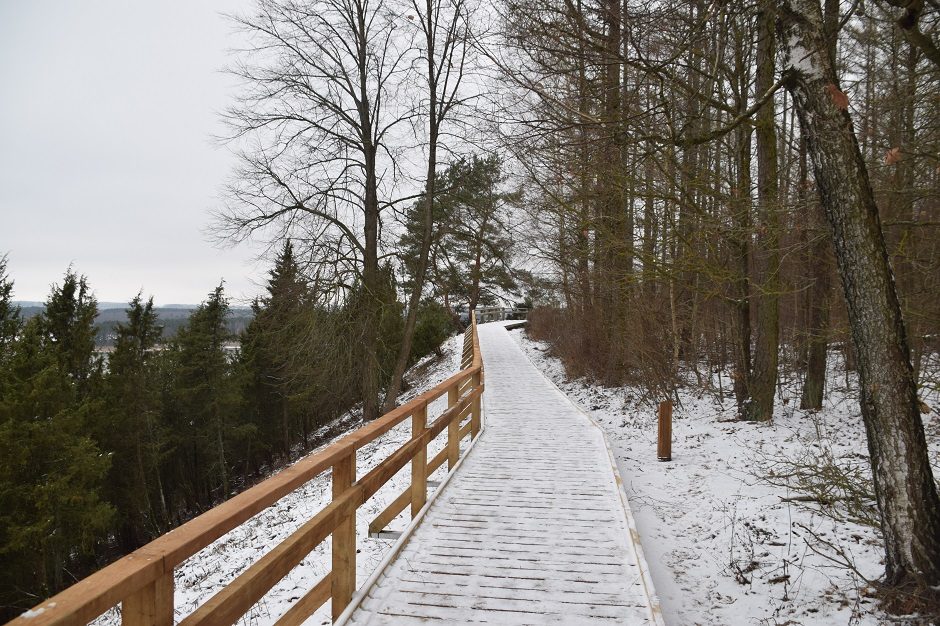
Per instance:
{"type": "Point", "coordinates": [904, 486]}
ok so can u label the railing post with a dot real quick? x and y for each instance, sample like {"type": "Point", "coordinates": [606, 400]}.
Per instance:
{"type": "Point", "coordinates": [151, 605]}
{"type": "Point", "coordinates": [419, 464]}
{"type": "Point", "coordinates": [344, 539]}
{"type": "Point", "coordinates": [453, 430]}
{"type": "Point", "coordinates": [475, 411]}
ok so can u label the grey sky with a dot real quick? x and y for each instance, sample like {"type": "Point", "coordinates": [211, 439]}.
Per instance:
{"type": "Point", "coordinates": [107, 108]}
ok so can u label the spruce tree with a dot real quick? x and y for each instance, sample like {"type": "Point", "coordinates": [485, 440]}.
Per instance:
{"type": "Point", "coordinates": [52, 517]}
{"type": "Point", "coordinates": [131, 430]}
{"type": "Point", "coordinates": [204, 404]}
{"type": "Point", "coordinates": [10, 321]}
{"type": "Point", "coordinates": [274, 359]}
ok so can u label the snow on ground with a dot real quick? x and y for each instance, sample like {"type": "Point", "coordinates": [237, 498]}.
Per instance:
{"type": "Point", "coordinates": [206, 572]}
{"type": "Point", "coordinates": [724, 546]}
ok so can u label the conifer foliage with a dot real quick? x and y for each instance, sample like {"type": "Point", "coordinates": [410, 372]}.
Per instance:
{"type": "Point", "coordinates": [100, 452]}
{"type": "Point", "coordinates": [52, 515]}
{"type": "Point", "coordinates": [472, 249]}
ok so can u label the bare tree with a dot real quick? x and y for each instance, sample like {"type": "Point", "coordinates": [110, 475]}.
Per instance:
{"type": "Point", "coordinates": [444, 49]}
{"type": "Point", "coordinates": [316, 121]}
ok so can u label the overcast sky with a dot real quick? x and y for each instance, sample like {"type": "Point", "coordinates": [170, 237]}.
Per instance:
{"type": "Point", "coordinates": [107, 109]}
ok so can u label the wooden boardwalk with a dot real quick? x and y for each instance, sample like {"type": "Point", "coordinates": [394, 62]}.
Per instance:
{"type": "Point", "coordinates": [532, 528]}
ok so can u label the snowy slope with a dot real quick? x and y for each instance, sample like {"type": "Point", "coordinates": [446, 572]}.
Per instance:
{"type": "Point", "coordinates": [725, 546]}
{"type": "Point", "coordinates": [206, 572]}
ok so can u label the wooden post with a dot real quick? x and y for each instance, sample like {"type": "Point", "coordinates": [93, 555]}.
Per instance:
{"type": "Point", "coordinates": [344, 539]}
{"type": "Point", "coordinates": [453, 431]}
{"type": "Point", "coordinates": [419, 464]}
{"type": "Point", "coordinates": [475, 415]}
{"type": "Point", "coordinates": [664, 449]}
{"type": "Point", "coordinates": [152, 605]}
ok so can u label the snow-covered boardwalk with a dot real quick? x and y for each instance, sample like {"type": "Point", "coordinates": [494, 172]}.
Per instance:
{"type": "Point", "coordinates": [532, 528]}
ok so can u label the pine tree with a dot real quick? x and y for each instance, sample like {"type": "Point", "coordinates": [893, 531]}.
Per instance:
{"type": "Point", "coordinates": [471, 248]}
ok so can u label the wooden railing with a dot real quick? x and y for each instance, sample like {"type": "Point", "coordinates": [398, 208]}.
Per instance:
{"type": "Point", "coordinates": [142, 582]}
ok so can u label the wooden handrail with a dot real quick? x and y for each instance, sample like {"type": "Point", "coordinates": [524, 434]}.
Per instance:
{"type": "Point", "coordinates": [142, 582]}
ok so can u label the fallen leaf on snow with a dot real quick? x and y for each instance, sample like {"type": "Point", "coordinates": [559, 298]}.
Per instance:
{"type": "Point", "coordinates": [838, 97]}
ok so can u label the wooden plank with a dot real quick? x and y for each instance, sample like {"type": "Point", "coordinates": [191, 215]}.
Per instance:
{"type": "Point", "coordinates": [390, 512]}
{"type": "Point", "coordinates": [476, 422]}
{"type": "Point", "coordinates": [419, 464]}
{"type": "Point", "coordinates": [89, 598]}
{"type": "Point", "coordinates": [234, 600]}
{"type": "Point", "coordinates": [437, 461]}
{"type": "Point", "coordinates": [307, 605]}
{"type": "Point", "coordinates": [344, 539]}
{"type": "Point", "coordinates": [181, 543]}
{"type": "Point", "coordinates": [151, 605]}
{"type": "Point", "coordinates": [453, 442]}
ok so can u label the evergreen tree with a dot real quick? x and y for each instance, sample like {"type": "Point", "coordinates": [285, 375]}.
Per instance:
{"type": "Point", "coordinates": [68, 324]}
{"type": "Point", "coordinates": [472, 248]}
{"type": "Point", "coordinates": [432, 328]}
{"type": "Point", "coordinates": [51, 512]}
{"type": "Point", "coordinates": [274, 362]}
{"type": "Point", "coordinates": [130, 427]}
{"type": "Point", "coordinates": [203, 405]}
{"type": "Point", "coordinates": [10, 321]}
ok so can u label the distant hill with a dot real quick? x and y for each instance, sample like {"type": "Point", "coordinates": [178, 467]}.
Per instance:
{"type": "Point", "coordinates": [172, 318]}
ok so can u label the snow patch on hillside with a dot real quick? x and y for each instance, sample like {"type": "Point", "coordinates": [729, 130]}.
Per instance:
{"type": "Point", "coordinates": [725, 546]}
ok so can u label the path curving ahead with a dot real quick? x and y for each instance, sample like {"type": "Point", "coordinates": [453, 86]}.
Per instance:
{"type": "Point", "coordinates": [532, 528]}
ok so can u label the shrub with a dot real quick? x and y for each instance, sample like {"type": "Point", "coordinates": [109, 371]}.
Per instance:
{"type": "Point", "coordinates": [433, 326]}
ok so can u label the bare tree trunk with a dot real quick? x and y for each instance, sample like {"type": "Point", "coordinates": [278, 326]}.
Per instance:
{"type": "Point", "coordinates": [760, 404]}
{"type": "Point", "coordinates": [414, 300]}
{"type": "Point", "coordinates": [285, 424]}
{"type": "Point", "coordinates": [370, 315]}
{"type": "Point", "coordinates": [817, 341]}
{"type": "Point", "coordinates": [904, 486]}
{"type": "Point", "coordinates": [443, 40]}
{"type": "Point", "coordinates": [740, 241]}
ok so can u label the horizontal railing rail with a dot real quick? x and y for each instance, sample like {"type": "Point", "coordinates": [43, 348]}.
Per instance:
{"type": "Point", "coordinates": [142, 582]}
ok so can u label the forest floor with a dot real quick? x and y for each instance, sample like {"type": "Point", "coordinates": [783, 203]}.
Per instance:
{"type": "Point", "coordinates": [726, 539]}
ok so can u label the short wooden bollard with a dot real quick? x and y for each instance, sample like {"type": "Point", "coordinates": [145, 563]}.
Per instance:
{"type": "Point", "coordinates": [664, 447]}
